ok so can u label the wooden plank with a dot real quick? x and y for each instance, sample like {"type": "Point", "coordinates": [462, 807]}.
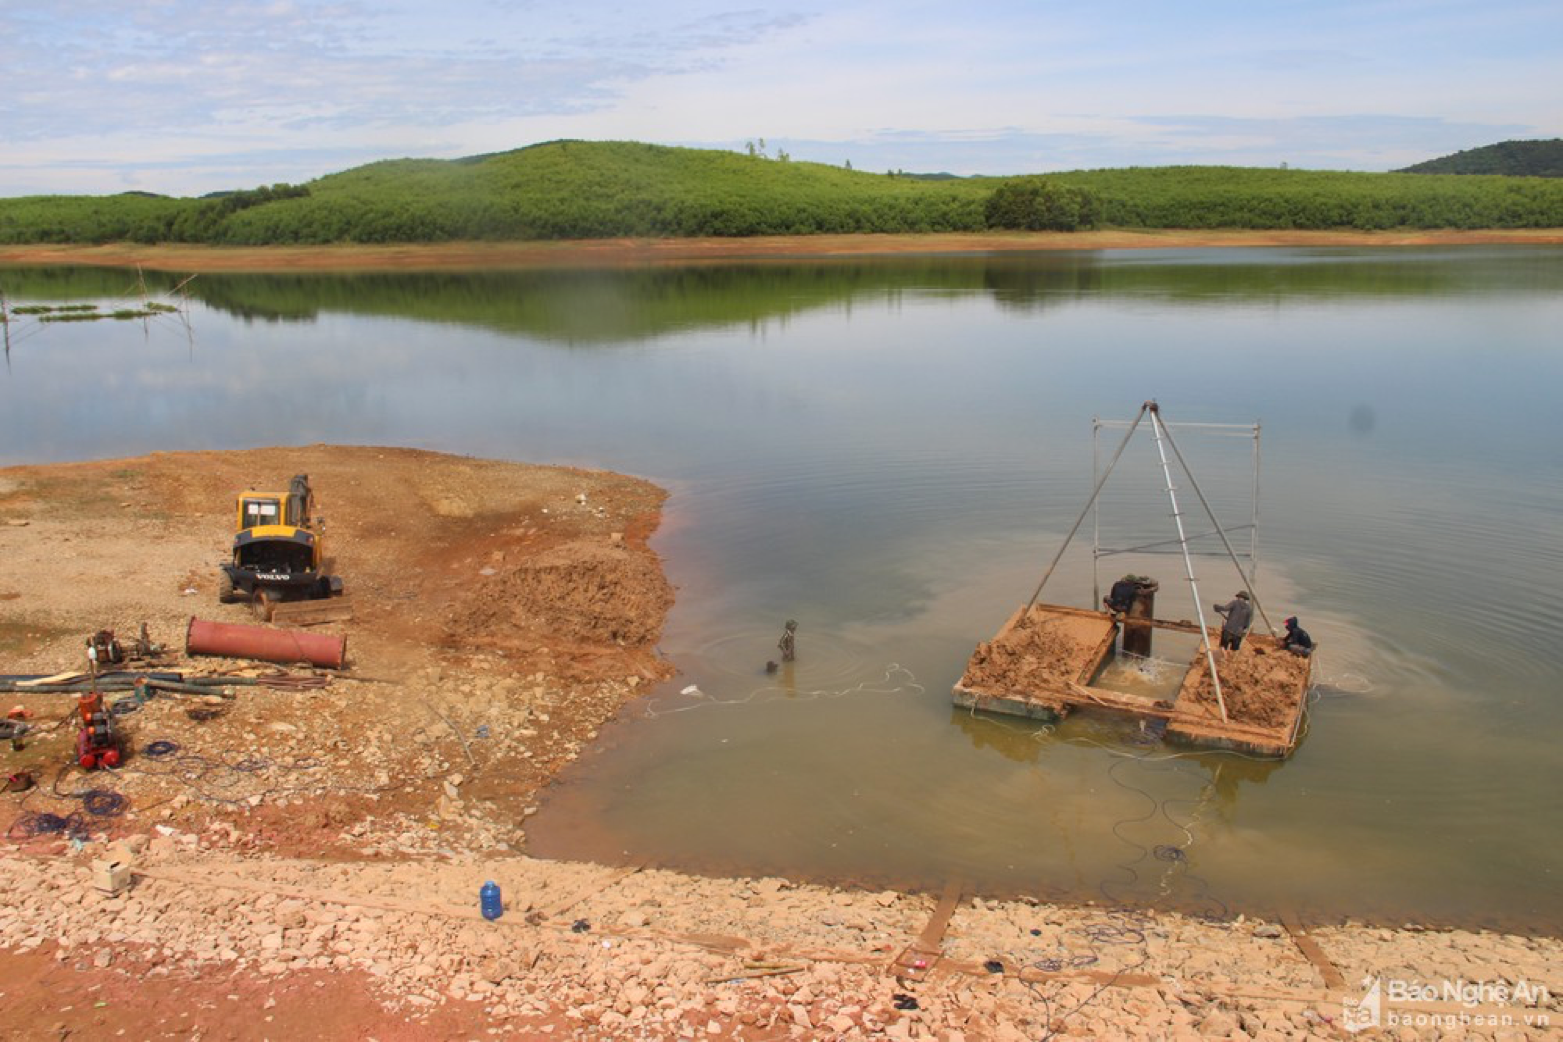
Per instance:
{"type": "Point", "coordinates": [1028, 706]}
{"type": "Point", "coordinates": [932, 937]}
{"type": "Point", "coordinates": [1104, 648]}
{"type": "Point", "coordinates": [1113, 978]}
{"type": "Point", "coordinates": [1100, 696]}
{"type": "Point", "coordinates": [230, 881]}
{"type": "Point", "coordinates": [1310, 948]}
{"type": "Point", "coordinates": [929, 946]}
{"type": "Point", "coordinates": [541, 914]}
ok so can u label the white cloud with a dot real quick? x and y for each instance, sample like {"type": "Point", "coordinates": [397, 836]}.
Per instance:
{"type": "Point", "coordinates": [155, 91]}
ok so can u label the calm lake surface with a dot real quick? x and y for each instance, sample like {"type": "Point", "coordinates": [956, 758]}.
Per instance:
{"type": "Point", "coordinates": [890, 451]}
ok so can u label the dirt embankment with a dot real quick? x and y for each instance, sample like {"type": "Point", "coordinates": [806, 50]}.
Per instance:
{"type": "Point", "coordinates": [475, 256]}
{"type": "Point", "coordinates": [515, 602]}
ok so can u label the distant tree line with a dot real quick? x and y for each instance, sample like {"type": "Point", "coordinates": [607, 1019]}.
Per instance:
{"type": "Point", "coordinates": [1510, 158]}
{"type": "Point", "coordinates": [1243, 197]}
{"type": "Point", "coordinates": [132, 216]}
{"type": "Point", "coordinates": [573, 189]}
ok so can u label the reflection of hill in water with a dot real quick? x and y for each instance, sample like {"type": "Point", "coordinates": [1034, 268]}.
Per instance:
{"type": "Point", "coordinates": [606, 306]}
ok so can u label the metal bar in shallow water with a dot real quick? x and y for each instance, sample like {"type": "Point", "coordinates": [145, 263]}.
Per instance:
{"type": "Point", "coordinates": [1157, 428]}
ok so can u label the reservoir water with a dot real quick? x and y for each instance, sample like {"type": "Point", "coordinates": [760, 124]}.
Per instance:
{"type": "Point", "coordinates": [889, 451]}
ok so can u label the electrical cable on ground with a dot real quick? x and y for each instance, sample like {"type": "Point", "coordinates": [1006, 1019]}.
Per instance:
{"type": "Point", "coordinates": [1123, 928]}
{"type": "Point", "coordinates": [104, 803]}
{"type": "Point", "coordinates": [42, 823]}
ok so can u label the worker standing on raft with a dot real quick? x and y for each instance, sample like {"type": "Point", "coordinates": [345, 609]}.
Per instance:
{"type": "Point", "coordinates": [1238, 614]}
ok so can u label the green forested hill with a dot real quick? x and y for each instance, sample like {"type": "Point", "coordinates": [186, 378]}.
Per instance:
{"type": "Point", "coordinates": [575, 189]}
{"type": "Point", "coordinates": [1512, 158]}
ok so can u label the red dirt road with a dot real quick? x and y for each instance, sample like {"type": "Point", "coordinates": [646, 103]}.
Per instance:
{"type": "Point", "coordinates": [48, 999]}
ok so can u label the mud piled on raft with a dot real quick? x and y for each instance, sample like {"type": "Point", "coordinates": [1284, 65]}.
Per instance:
{"type": "Point", "coordinates": [1040, 650]}
{"type": "Point", "coordinates": [1260, 685]}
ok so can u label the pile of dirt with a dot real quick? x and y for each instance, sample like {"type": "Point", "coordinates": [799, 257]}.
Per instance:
{"type": "Point", "coordinates": [1261, 684]}
{"type": "Point", "coordinates": [1041, 650]}
{"type": "Point", "coordinates": [586, 593]}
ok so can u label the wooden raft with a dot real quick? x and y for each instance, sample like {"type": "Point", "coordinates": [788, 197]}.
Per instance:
{"type": "Point", "coordinates": [1041, 663]}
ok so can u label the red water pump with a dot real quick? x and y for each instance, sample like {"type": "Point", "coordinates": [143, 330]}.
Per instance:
{"type": "Point", "coordinates": [96, 743]}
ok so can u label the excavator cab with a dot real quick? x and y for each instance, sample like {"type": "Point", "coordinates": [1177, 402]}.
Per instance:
{"type": "Point", "coordinates": [260, 511]}
{"type": "Point", "coordinates": [269, 509]}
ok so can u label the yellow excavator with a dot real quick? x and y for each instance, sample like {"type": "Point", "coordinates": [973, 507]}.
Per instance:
{"type": "Point", "coordinates": [279, 562]}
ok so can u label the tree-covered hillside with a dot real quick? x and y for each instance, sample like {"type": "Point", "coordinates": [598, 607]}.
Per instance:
{"type": "Point", "coordinates": [583, 190]}
{"type": "Point", "coordinates": [1512, 158]}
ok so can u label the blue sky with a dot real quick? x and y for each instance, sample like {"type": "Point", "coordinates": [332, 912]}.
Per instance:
{"type": "Point", "coordinates": [190, 96]}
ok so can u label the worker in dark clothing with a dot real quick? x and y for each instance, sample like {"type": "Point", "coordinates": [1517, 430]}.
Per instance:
{"type": "Point", "coordinates": [1121, 597]}
{"type": "Point", "coordinates": [1238, 614]}
{"type": "Point", "coordinates": [1297, 640]}
{"type": "Point", "coordinates": [788, 642]}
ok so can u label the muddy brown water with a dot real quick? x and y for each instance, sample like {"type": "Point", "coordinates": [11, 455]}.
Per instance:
{"type": "Point", "coordinates": [889, 451]}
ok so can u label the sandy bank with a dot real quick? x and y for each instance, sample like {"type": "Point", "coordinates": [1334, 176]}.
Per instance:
{"type": "Point", "coordinates": [474, 256]}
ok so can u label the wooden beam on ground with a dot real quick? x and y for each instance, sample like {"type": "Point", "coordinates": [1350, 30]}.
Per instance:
{"type": "Point", "coordinates": [1310, 948]}
{"type": "Point", "coordinates": [553, 911]}
{"type": "Point", "coordinates": [917, 962]}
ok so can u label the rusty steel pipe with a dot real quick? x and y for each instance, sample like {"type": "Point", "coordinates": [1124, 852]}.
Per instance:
{"type": "Point", "coordinates": [233, 640]}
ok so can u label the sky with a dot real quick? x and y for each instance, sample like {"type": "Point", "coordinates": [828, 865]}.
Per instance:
{"type": "Point", "coordinates": [184, 97]}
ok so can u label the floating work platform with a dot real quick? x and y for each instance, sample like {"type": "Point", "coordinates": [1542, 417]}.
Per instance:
{"type": "Point", "coordinates": [1042, 663]}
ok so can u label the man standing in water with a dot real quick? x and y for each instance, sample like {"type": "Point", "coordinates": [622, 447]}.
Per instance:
{"type": "Point", "coordinates": [1238, 614]}
{"type": "Point", "coordinates": [788, 640]}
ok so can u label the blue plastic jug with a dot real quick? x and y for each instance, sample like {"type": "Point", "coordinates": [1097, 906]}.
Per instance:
{"type": "Point", "coordinates": [489, 900]}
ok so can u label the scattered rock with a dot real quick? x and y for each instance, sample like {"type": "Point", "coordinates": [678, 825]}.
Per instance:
{"type": "Point", "coordinates": [1218, 1023]}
